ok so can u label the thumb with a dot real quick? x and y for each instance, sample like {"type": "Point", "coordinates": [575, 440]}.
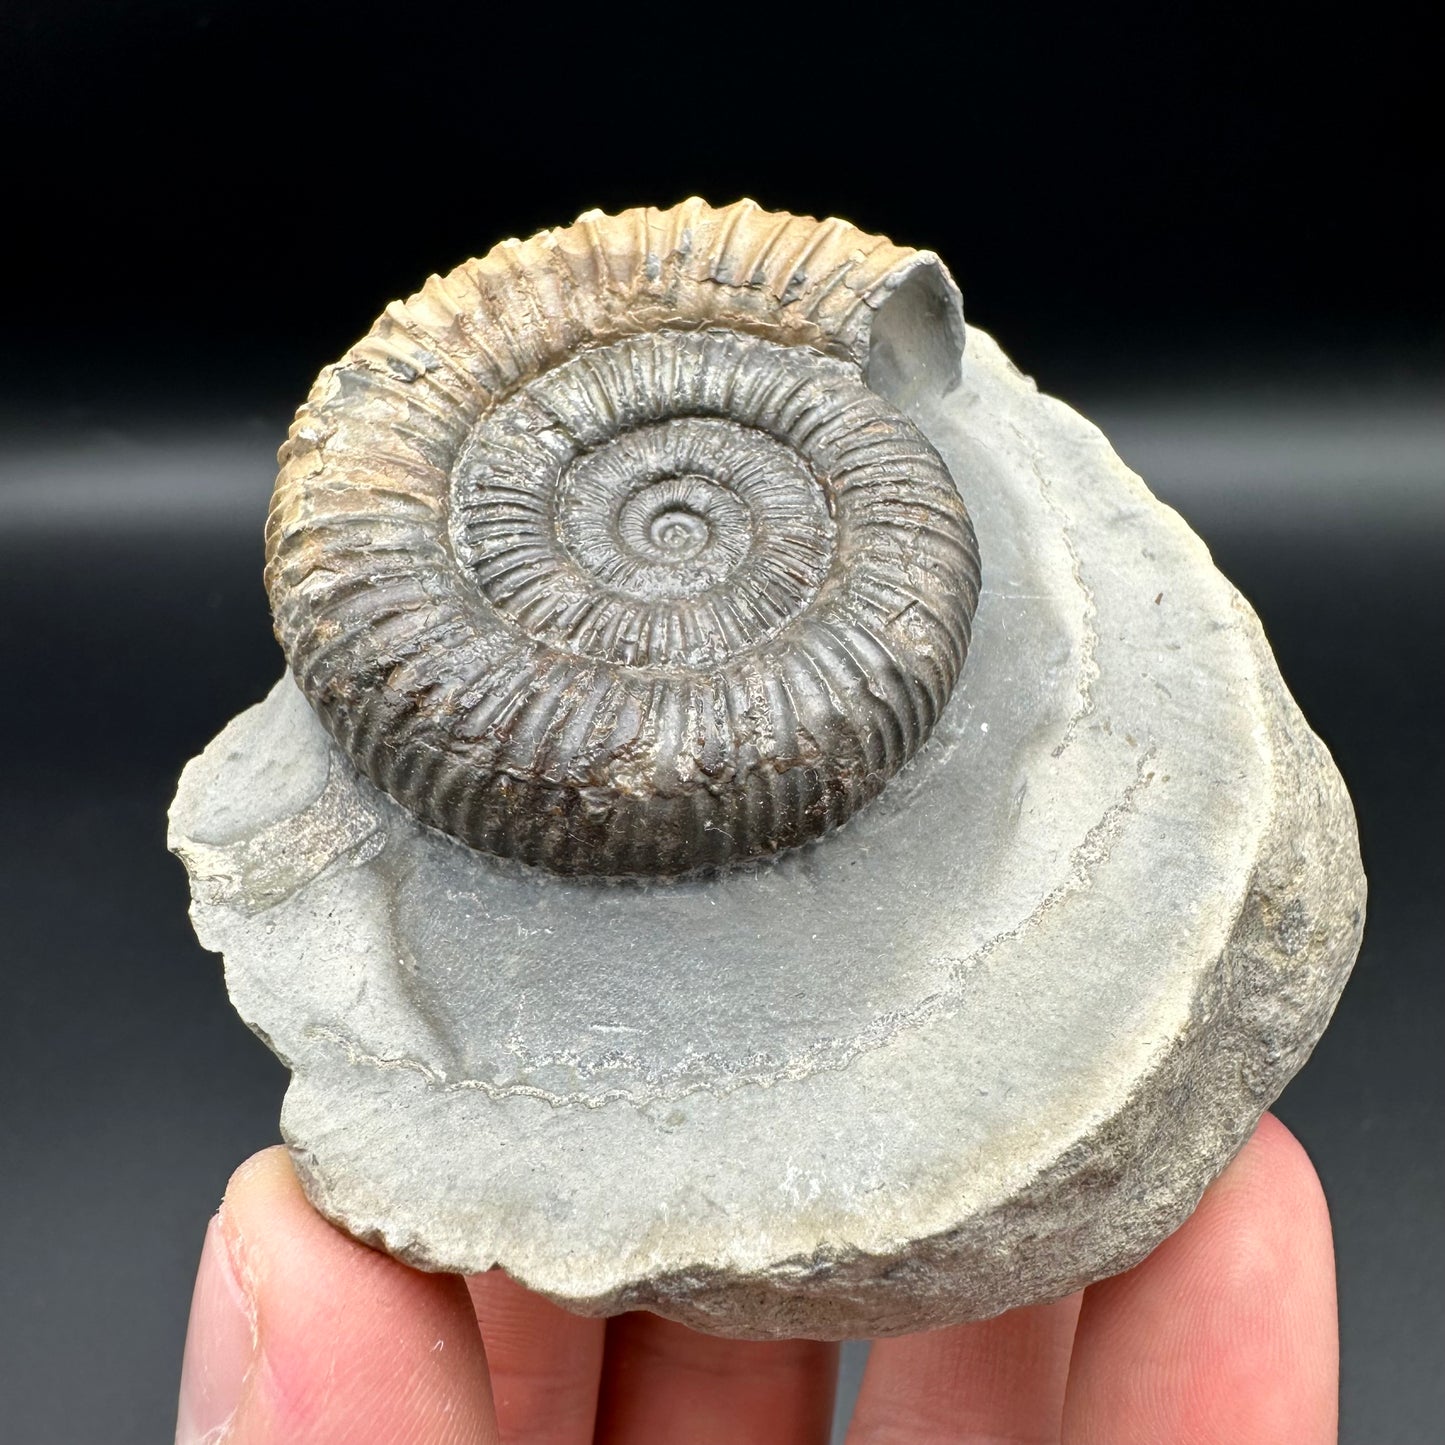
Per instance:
{"type": "Point", "coordinates": [300, 1335]}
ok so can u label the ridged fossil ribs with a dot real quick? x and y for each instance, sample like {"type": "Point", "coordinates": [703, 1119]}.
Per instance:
{"type": "Point", "coordinates": [601, 553]}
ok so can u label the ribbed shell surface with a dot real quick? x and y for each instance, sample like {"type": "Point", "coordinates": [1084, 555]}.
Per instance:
{"type": "Point", "coordinates": [599, 553]}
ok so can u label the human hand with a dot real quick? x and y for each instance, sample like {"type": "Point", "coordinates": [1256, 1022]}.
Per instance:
{"type": "Point", "coordinates": [1226, 1333]}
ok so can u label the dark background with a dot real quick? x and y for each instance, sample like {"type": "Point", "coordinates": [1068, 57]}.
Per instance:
{"type": "Point", "coordinates": [1217, 235]}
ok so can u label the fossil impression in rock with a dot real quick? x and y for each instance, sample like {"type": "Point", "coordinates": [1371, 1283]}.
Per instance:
{"type": "Point", "coordinates": [601, 553]}
{"type": "Point", "coordinates": [634, 550]}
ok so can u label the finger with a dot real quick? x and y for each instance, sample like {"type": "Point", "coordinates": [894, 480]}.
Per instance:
{"type": "Point", "coordinates": [545, 1364]}
{"type": "Point", "coordinates": [1226, 1334]}
{"type": "Point", "coordinates": [299, 1334]}
{"type": "Point", "coordinates": [997, 1380]}
{"type": "Point", "coordinates": [662, 1383]}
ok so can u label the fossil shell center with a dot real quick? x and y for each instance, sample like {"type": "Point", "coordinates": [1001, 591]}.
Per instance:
{"type": "Point", "coordinates": [627, 524]}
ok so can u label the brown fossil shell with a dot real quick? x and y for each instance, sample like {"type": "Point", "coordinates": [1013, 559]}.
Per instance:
{"type": "Point", "coordinates": [600, 553]}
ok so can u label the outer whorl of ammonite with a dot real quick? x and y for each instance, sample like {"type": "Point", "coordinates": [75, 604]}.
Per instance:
{"type": "Point", "coordinates": [601, 554]}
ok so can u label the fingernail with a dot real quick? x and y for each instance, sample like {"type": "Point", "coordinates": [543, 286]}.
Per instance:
{"type": "Point", "coordinates": [220, 1345]}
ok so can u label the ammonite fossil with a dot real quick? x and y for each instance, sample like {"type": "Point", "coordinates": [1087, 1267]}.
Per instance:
{"type": "Point", "coordinates": [620, 551]}
{"type": "Point", "coordinates": [602, 554]}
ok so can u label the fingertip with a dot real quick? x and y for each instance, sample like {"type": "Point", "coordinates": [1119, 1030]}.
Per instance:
{"type": "Point", "coordinates": [545, 1364]}
{"type": "Point", "coordinates": [269, 1169]}
{"type": "Point", "coordinates": [1276, 1165]}
{"type": "Point", "coordinates": [1227, 1332]}
{"type": "Point", "coordinates": [348, 1343]}
{"type": "Point", "coordinates": [277, 1239]}
{"type": "Point", "coordinates": [1260, 1236]}
{"type": "Point", "coordinates": [220, 1345]}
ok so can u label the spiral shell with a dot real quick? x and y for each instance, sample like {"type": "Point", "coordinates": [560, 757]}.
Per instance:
{"type": "Point", "coordinates": [601, 553]}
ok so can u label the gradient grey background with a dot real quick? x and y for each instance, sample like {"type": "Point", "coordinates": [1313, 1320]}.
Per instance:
{"type": "Point", "coordinates": [1219, 242]}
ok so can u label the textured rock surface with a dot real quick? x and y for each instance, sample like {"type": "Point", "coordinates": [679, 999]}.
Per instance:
{"type": "Point", "coordinates": [984, 1044]}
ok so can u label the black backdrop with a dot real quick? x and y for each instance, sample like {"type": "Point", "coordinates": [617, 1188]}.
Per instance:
{"type": "Point", "coordinates": [218, 194]}
{"type": "Point", "coordinates": [1216, 234]}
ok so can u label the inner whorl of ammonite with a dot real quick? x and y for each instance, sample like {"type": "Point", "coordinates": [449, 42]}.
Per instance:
{"type": "Point", "coordinates": [649, 504]}
{"type": "Point", "coordinates": [673, 592]}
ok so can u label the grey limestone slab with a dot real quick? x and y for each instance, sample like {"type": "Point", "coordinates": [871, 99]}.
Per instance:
{"type": "Point", "coordinates": [984, 1044]}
